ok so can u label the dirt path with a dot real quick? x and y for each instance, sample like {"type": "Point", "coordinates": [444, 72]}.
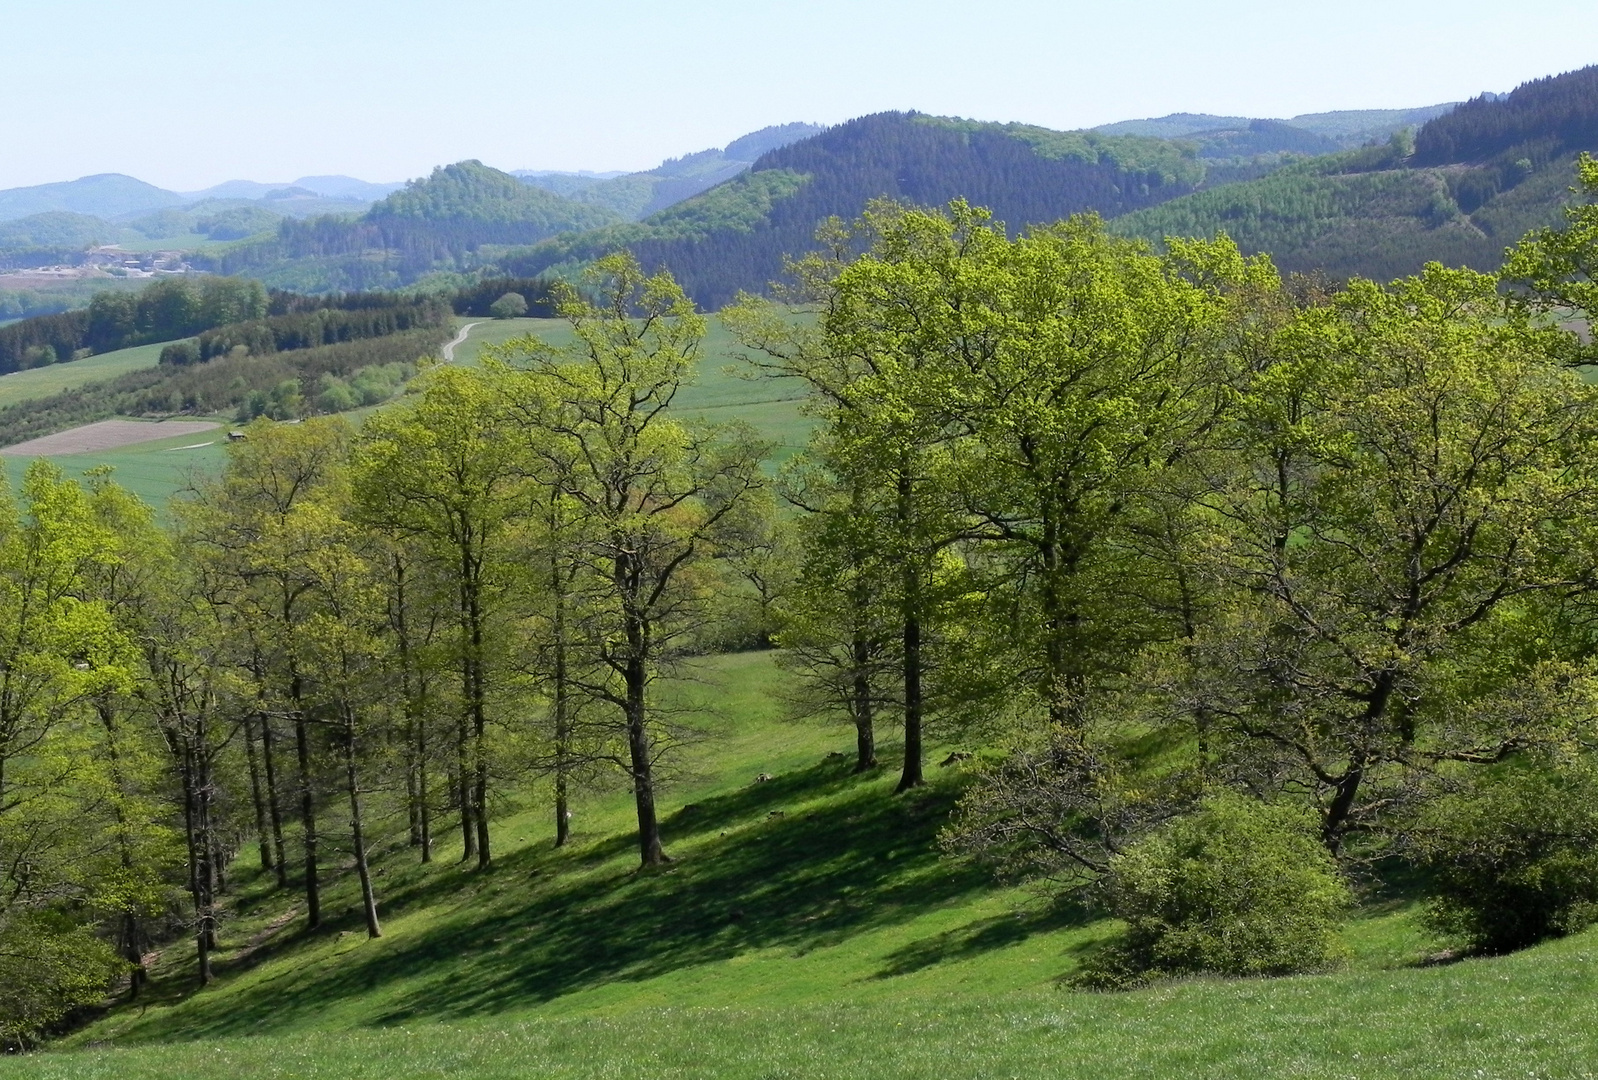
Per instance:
{"type": "Point", "coordinates": [448, 352]}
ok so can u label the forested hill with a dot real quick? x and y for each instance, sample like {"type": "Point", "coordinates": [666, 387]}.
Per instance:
{"type": "Point", "coordinates": [1471, 183]}
{"type": "Point", "coordinates": [735, 236]}
{"type": "Point", "coordinates": [436, 223]}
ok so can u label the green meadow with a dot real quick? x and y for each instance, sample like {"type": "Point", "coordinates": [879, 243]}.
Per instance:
{"type": "Point", "coordinates": [43, 381]}
{"type": "Point", "coordinates": [808, 926]}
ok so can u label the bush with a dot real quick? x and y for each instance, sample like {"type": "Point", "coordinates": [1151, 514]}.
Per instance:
{"type": "Point", "coordinates": [1236, 888]}
{"type": "Point", "coordinates": [1514, 859]}
{"type": "Point", "coordinates": [48, 967]}
{"type": "Point", "coordinates": [510, 306]}
{"type": "Point", "coordinates": [180, 354]}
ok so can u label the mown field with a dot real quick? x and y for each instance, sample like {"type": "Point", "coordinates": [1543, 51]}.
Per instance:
{"type": "Point", "coordinates": [807, 927]}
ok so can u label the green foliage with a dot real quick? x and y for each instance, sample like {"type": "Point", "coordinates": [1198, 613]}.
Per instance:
{"type": "Point", "coordinates": [48, 967]}
{"type": "Point", "coordinates": [1238, 887]}
{"type": "Point", "coordinates": [1555, 269]}
{"type": "Point", "coordinates": [1513, 856]}
{"type": "Point", "coordinates": [510, 306]}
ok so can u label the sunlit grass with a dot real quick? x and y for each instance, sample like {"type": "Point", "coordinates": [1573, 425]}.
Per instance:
{"type": "Point", "coordinates": [807, 927]}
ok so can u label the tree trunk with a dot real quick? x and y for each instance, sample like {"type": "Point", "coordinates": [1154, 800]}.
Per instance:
{"type": "Point", "coordinates": [357, 833]}
{"type": "Point", "coordinates": [263, 836]}
{"type": "Point", "coordinates": [198, 873]}
{"type": "Point", "coordinates": [415, 724]}
{"type": "Point", "coordinates": [479, 691]}
{"type": "Point", "coordinates": [302, 746]}
{"type": "Point", "coordinates": [133, 953]}
{"type": "Point", "coordinates": [864, 725]}
{"type": "Point", "coordinates": [563, 733]}
{"type": "Point", "coordinates": [211, 877]}
{"type": "Point", "coordinates": [911, 610]}
{"type": "Point", "coordinates": [273, 810]}
{"type": "Point", "coordinates": [423, 804]}
{"type": "Point", "coordinates": [463, 786]}
{"type": "Point", "coordinates": [474, 766]}
{"type": "Point", "coordinates": [636, 676]}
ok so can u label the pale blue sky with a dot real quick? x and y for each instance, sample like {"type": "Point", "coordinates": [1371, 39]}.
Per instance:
{"type": "Point", "coordinates": [187, 93]}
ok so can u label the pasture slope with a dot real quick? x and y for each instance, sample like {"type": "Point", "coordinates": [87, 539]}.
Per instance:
{"type": "Point", "coordinates": [807, 928]}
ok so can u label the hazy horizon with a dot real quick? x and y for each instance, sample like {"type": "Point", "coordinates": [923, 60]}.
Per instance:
{"type": "Point", "coordinates": [187, 95]}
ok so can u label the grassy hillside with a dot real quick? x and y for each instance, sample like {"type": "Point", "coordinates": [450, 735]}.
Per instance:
{"type": "Point", "coordinates": [806, 928]}
{"type": "Point", "coordinates": [40, 382]}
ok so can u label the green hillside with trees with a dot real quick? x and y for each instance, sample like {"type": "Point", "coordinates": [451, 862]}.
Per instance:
{"type": "Point", "coordinates": [1467, 185]}
{"type": "Point", "coordinates": [735, 236]}
{"type": "Point", "coordinates": [440, 223]}
{"type": "Point", "coordinates": [1152, 663]}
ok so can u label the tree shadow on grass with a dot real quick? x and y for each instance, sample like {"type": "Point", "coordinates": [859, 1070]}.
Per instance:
{"type": "Point", "coordinates": [852, 859]}
{"type": "Point", "coordinates": [981, 936]}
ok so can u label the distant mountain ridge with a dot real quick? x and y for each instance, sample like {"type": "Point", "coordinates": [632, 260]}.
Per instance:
{"type": "Point", "coordinates": [115, 197]}
{"type": "Point", "coordinates": [1471, 182]}
{"type": "Point", "coordinates": [1345, 129]}
{"type": "Point", "coordinates": [637, 195]}
{"type": "Point", "coordinates": [104, 195]}
{"type": "Point", "coordinates": [735, 235]}
{"type": "Point", "coordinates": [345, 188]}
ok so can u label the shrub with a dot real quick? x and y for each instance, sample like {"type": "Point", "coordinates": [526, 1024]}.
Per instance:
{"type": "Point", "coordinates": [510, 306]}
{"type": "Point", "coordinates": [48, 967]}
{"type": "Point", "coordinates": [1236, 888]}
{"type": "Point", "coordinates": [181, 354]}
{"type": "Point", "coordinates": [1514, 858]}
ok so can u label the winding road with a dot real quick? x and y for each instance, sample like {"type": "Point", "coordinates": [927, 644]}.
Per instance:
{"type": "Point", "coordinates": [448, 352]}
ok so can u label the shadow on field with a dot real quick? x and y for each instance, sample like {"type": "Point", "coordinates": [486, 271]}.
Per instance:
{"type": "Point", "coordinates": [542, 924]}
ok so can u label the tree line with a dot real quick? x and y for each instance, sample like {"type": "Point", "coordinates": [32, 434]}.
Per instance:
{"type": "Point", "coordinates": [1241, 587]}
{"type": "Point", "coordinates": [323, 326]}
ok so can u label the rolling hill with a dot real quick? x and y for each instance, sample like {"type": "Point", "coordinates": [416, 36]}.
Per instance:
{"type": "Point", "coordinates": [437, 223]}
{"type": "Point", "coordinates": [1472, 182]}
{"type": "Point", "coordinates": [735, 235]}
{"type": "Point", "coordinates": [637, 195]}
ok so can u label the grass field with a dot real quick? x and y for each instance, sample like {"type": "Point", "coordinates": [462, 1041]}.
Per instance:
{"type": "Point", "coordinates": [157, 470]}
{"type": "Point", "coordinates": [807, 927]}
{"type": "Point", "coordinates": [719, 394]}
{"type": "Point", "coordinates": [42, 382]}
{"type": "Point", "coordinates": [154, 471]}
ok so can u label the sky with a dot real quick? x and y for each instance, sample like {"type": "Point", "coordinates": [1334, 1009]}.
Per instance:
{"type": "Point", "coordinates": [189, 93]}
